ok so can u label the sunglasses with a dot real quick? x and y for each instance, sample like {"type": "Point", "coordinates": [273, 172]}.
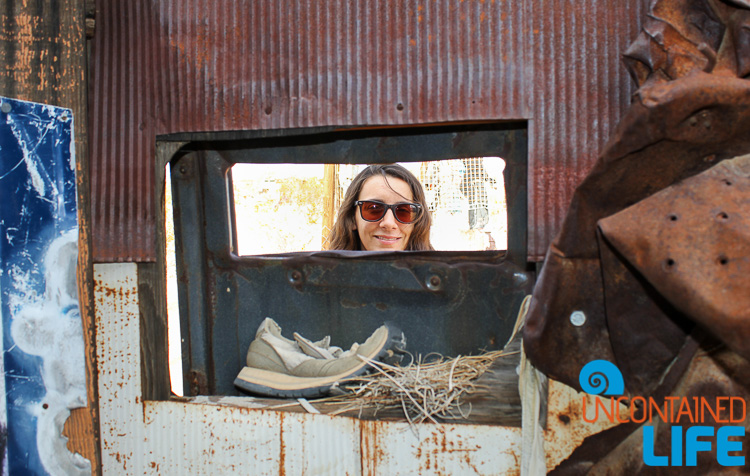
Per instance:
{"type": "Point", "coordinates": [373, 210]}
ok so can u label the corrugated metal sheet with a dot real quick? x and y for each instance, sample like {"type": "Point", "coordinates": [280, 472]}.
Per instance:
{"type": "Point", "coordinates": [197, 65]}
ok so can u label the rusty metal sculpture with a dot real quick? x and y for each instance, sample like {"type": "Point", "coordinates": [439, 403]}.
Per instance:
{"type": "Point", "coordinates": [653, 259]}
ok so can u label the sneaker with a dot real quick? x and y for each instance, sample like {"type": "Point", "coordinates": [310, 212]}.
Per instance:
{"type": "Point", "coordinates": [280, 367]}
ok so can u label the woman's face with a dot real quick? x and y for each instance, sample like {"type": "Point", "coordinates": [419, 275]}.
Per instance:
{"type": "Point", "coordinates": [387, 234]}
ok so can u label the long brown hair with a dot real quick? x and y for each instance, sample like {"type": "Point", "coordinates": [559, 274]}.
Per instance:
{"type": "Point", "coordinates": [344, 236]}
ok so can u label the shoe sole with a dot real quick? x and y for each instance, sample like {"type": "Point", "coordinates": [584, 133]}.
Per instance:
{"type": "Point", "coordinates": [274, 384]}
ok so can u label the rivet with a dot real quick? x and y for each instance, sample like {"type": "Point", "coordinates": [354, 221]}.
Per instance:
{"type": "Point", "coordinates": [295, 276]}
{"type": "Point", "coordinates": [400, 107]}
{"type": "Point", "coordinates": [434, 283]}
{"type": "Point", "coordinates": [183, 169]}
{"type": "Point", "coordinates": [577, 318]}
{"type": "Point", "coordinates": [5, 107]}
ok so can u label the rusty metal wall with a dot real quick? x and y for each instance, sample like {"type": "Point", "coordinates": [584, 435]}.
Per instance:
{"type": "Point", "coordinates": [199, 65]}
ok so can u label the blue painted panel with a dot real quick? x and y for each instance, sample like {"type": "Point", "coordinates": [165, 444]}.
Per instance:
{"type": "Point", "coordinates": [43, 359]}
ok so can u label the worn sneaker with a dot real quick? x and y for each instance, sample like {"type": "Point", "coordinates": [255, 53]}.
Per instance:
{"type": "Point", "coordinates": [280, 367]}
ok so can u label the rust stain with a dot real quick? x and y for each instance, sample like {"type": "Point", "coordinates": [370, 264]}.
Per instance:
{"type": "Point", "coordinates": [371, 451]}
{"type": "Point", "coordinates": [566, 428]}
{"type": "Point", "coordinates": [282, 446]}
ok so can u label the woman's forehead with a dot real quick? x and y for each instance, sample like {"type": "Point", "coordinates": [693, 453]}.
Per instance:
{"type": "Point", "coordinates": [392, 188]}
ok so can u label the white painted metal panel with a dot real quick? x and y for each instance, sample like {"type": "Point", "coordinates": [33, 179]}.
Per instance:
{"type": "Point", "coordinates": [399, 449]}
{"type": "Point", "coordinates": [118, 362]}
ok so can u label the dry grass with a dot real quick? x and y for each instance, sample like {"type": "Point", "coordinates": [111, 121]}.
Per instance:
{"type": "Point", "coordinates": [423, 390]}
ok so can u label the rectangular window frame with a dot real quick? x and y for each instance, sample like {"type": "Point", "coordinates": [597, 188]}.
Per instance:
{"type": "Point", "coordinates": [207, 158]}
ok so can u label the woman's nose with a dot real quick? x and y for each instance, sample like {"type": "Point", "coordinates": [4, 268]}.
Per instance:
{"type": "Point", "coordinates": [388, 220]}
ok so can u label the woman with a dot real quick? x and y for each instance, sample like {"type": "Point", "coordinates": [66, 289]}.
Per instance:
{"type": "Point", "coordinates": [384, 209]}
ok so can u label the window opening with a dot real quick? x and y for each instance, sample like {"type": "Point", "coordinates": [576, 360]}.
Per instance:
{"type": "Point", "coordinates": [282, 208]}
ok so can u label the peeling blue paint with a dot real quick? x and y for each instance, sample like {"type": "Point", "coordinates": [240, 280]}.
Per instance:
{"type": "Point", "coordinates": [43, 359]}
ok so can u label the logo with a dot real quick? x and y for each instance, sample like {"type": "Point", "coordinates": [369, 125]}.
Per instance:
{"type": "Point", "coordinates": [601, 377]}
{"type": "Point", "coordinates": [687, 417]}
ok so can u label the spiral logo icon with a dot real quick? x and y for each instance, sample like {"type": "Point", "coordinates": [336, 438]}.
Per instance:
{"type": "Point", "coordinates": [601, 377]}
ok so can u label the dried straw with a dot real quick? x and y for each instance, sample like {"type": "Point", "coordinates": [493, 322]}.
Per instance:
{"type": "Point", "coordinates": [423, 390]}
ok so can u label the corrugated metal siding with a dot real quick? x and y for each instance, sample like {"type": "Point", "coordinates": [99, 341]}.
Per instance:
{"type": "Point", "coordinates": [198, 65]}
{"type": "Point", "coordinates": [580, 91]}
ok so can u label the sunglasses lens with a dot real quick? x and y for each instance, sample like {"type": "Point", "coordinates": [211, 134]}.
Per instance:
{"type": "Point", "coordinates": [372, 211]}
{"type": "Point", "coordinates": [407, 213]}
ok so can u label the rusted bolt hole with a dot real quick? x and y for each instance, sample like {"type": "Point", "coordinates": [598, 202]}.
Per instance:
{"type": "Point", "coordinates": [727, 182]}
{"type": "Point", "coordinates": [268, 110]}
{"type": "Point", "coordinates": [400, 107]}
{"type": "Point", "coordinates": [45, 406]}
{"type": "Point", "coordinates": [722, 216]}
{"type": "Point", "coordinates": [672, 217]}
{"type": "Point", "coordinates": [669, 264]}
{"type": "Point", "coordinates": [723, 260]}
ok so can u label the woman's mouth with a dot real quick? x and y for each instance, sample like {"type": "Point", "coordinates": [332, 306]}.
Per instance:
{"type": "Point", "coordinates": [387, 239]}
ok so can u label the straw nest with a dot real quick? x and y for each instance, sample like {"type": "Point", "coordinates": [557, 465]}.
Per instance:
{"type": "Point", "coordinates": [429, 388]}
